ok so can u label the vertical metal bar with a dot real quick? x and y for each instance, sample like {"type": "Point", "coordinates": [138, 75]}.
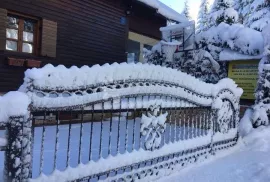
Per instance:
{"type": "Point", "coordinates": [170, 122]}
{"type": "Point", "coordinates": [193, 118]}
{"type": "Point", "coordinates": [110, 137]}
{"type": "Point", "coordinates": [32, 144]}
{"type": "Point", "coordinates": [118, 132]}
{"type": "Point", "coordinates": [200, 123]}
{"type": "Point", "coordinates": [175, 124]}
{"type": "Point", "coordinates": [140, 140]}
{"type": "Point", "coordinates": [101, 131]}
{"type": "Point", "coordinates": [56, 142]}
{"type": "Point", "coordinates": [21, 150]}
{"type": "Point", "coordinates": [69, 138]}
{"type": "Point", "coordinates": [91, 132]}
{"type": "Point", "coordinates": [164, 136]}
{"type": "Point", "coordinates": [206, 121]}
{"type": "Point", "coordinates": [134, 124]}
{"type": "Point", "coordinates": [81, 133]}
{"type": "Point", "coordinates": [196, 122]}
{"type": "Point", "coordinates": [184, 118]}
{"type": "Point", "coordinates": [190, 122]}
{"type": "Point", "coordinates": [42, 145]}
{"type": "Point", "coordinates": [126, 138]}
{"type": "Point", "coordinates": [179, 116]}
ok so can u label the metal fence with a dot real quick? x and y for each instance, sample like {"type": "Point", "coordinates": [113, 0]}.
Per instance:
{"type": "Point", "coordinates": [120, 137]}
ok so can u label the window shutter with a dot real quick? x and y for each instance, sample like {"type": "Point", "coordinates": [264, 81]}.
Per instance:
{"type": "Point", "coordinates": [3, 21]}
{"type": "Point", "coordinates": [49, 37]}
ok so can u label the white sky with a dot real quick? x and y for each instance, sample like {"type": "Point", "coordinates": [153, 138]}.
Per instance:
{"type": "Point", "coordinates": [178, 5]}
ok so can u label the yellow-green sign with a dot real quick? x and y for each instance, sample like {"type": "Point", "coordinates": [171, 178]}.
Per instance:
{"type": "Point", "coordinates": [245, 74]}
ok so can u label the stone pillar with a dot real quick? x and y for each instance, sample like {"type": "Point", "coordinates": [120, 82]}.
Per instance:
{"type": "Point", "coordinates": [18, 153]}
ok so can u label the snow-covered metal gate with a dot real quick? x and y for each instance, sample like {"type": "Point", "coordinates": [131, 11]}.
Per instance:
{"type": "Point", "coordinates": [116, 122]}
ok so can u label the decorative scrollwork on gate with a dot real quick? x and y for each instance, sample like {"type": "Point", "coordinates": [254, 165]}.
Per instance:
{"type": "Point", "coordinates": [225, 115]}
{"type": "Point", "coordinates": [153, 126]}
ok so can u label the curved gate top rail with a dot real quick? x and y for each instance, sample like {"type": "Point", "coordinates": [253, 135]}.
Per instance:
{"type": "Point", "coordinates": [60, 87]}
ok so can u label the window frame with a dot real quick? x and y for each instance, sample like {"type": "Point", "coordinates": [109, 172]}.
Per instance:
{"type": "Point", "coordinates": [36, 33]}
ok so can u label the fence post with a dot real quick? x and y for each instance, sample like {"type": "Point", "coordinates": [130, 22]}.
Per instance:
{"type": "Point", "coordinates": [213, 128]}
{"type": "Point", "coordinates": [17, 156]}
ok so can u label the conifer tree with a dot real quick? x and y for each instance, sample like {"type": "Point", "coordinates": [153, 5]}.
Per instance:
{"type": "Point", "coordinates": [186, 10]}
{"type": "Point", "coordinates": [202, 16]}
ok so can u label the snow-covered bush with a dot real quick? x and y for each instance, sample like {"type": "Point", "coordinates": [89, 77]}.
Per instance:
{"type": "Point", "coordinates": [198, 63]}
{"type": "Point", "coordinates": [245, 125]}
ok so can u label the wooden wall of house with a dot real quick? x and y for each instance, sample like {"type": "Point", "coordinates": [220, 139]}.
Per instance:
{"type": "Point", "coordinates": [146, 21]}
{"type": "Point", "coordinates": [88, 32]}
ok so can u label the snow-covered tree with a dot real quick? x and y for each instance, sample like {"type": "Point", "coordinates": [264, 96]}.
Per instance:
{"type": "Point", "coordinates": [198, 63]}
{"type": "Point", "coordinates": [186, 10]}
{"type": "Point", "coordinates": [223, 11]}
{"type": "Point", "coordinates": [261, 109]}
{"type": "Point", "coordinates": [244, 11]}
{"type": "Point", "coordinates": [263, 85]}
{"type": "Point", "coordinates": [202, 16]}
{"type": "Point", "coordinates": [259, 15]}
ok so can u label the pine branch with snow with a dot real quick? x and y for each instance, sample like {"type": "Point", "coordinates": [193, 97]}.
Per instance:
{"type": "Point", "coordinates": [259, 15]}
{"type": "Point", "coordinates": [222, 11]}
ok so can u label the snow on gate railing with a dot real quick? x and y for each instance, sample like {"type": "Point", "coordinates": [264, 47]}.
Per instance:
{"type": "Point", "coordinates": [118, 122]}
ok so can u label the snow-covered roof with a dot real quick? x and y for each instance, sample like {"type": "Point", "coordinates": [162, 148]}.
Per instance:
{"type": "Point", "coordinates": [177, 26]}
{"type": "Point", "coordinates": [165, 10]}
{"type": "Point", "coordinates": [229, 55]}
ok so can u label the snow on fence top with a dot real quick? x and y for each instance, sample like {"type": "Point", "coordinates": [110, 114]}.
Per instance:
{"type": "Point", "coordinates": [165, 10]}
{"type": "Point", "coordinates": [13, 104]}
{"type": "Point", "coordinates": [52, 87]}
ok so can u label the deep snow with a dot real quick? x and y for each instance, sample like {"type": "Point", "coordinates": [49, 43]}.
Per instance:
{"type": "Point", "coordinates": [248, 162]}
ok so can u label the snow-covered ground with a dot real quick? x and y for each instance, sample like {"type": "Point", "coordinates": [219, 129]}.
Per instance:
{"type": "Point", "coordinates": [248, 162]}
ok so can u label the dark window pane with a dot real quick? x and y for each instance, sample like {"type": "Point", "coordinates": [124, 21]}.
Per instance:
{"type": "Point", "coordinates": [12, 22]}
{"type": "Point", "coordinates": [28, 26]}
{"type": "Point", "coordinates": [133, 50]}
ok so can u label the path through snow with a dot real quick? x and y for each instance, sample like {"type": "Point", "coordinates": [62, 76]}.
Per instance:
{"type": "Point", "coordinates": [249, 162]}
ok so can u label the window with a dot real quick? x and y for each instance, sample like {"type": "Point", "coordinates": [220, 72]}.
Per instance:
{"type": "Point", "coordinates": [21, 34]}
{"type": "Point", "coordinates": [133, 51]}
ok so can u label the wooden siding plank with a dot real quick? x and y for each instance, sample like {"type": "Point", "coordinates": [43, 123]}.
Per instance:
{"type": "Point", "coordinates": [49, 37]}
{"type": "Point", "coordinates": [3, 20]}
